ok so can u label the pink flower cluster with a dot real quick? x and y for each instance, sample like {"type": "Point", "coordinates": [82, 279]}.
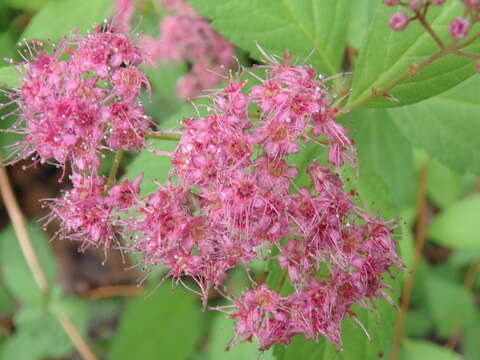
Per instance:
{"type": "Point", "coordinates": [184, 35]}
{"type": "Point", "coordinates": [79, 98]}
{"type": "Point", "coordinates": [235, 197]}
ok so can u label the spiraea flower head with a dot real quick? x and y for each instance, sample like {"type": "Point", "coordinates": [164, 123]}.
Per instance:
{"type": "Point", "coordinates": [232, 194]}
{"type": "Point", "coordinates": [80, 97]}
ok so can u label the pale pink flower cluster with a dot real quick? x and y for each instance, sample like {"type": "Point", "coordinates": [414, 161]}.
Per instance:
{"type": "Point", "coordinates": [185, 35]}
{"type": "Point", "coordinates": [234, 198]}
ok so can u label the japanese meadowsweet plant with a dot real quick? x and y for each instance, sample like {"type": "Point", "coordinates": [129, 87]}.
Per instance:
{"type": "Point", "coordinates": [236, 192]}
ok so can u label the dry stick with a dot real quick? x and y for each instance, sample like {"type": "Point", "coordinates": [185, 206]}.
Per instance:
{"type": "Point", "coordinates": [468, 283]}
{"type": "Point", "coordinates": [21, 230]}
{"type": "Point", "coordinates": [419, 241]}
{"type": "Point", "coordinates": [72, 332]}
{"type": "Point", "coordinates": [115, 290]}
{"type": "Point", "coordinates": [23, 237]}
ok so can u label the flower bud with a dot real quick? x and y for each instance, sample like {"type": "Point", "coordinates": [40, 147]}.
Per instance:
{"type": "Point", "coordinates": [437, 2]}
{"type": "Point", "coordinates": [416, 5]}
{"type": "Point", "coordinates": [399, 21]}
{"type": "Point", "coordinates": [391, 2]}
{"type": "Point", "coordinates": [459, 28]}
{"type": "Point", "coordinates": [472, 4]}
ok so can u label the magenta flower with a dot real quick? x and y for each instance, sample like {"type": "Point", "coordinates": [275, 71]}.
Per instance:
{"type": "Point", "coordinates": [80, 98]}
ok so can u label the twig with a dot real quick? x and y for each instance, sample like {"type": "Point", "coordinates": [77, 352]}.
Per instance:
{"type": "Point", "coordinates": [116, 290]}
{"type": "Point", "coordinates": [452, 48]}
{"type": "Point", "coordinates": [72, 332]}
{"type": "Point", "coordinates": [407, 74]}
{"type": "Point", "coordinates": [20, 229]}
{"type": "Point", "coordinates": [467, 55]}
{"type": "Point", "coordinates": [419, 242]}
{"type": "Point", "coordinates": [31, 258]}
{"type": "Point", "coordinates": [429, 29]}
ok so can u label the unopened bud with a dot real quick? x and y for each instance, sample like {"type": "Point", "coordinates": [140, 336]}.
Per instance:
{"type": "Point", "coordinates": [416, 5]}
{"type": "Point", "coordinates": [459, 28]}
{"type": "Point", "coordinates": [399, 21]}
{"type": "Point", "coordinates": [391, 2]}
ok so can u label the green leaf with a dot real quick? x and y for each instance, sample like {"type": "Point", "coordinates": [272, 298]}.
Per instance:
{"type": "Point", "coordinates": [154, 167]}
{"type": "Point", "coordinates": [8, 45]}
{"type": "Point", "coordinates": [300, 348]}
{"type": "Point", "coordinates": [38, 329]}
{"type": "Point", "coordinates": [450, 304]}
{"type": "Point", "coordinates": [59, 17]}
{"type": "Point", "coordinates": [446, 126]}
{"type": "Point", "coordinates": [364, 11]}
{"type": "Point", "coordinates": [380, 326]}
{"type": "Point", "coordinates": [415, 350]}
{"type": "Point", "coordinates": [446, 186]}
{"type": "Point", "coordinates": [16, 273]}
{"type": "Point", "coordinates": [418, 323]}
{"type": "Point", "coordinates": [10, 77]}
{"type": "Point", "coordinates": [163, 102]}
{"type": "Point", "coordinates": [471, 345]}
{"type": "Point", "coordinates": [457, 226]}
{"type": "Point", "coordinates": [163, 324]}
{"type": "Point", "coordinates": [26, 4]}
{"type": "Point", "coordinates": [386, 55]}
{"type": "Point", "coordinates": [462, 257]}
{"type": "Point", "coordinates": [383, 150]}
{"type": "Point", "coordinates": [220, 336]}
{"type": "Point", "coordinates": [299, 27]}
{"type": "Point", "coordinates": [6, 301]}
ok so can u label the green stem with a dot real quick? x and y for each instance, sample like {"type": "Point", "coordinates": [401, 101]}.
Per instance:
{"type": "Point", "coordinates": [452, 48]}
{"type": "Point", "coordinates": [281, 282]}
{"type": "Point", "coordinates": [467, 55]}
{"type": "Point", "coordinates": [429, 29]}
{"type": "Point", "coordinates": [164, 136]}
{"type": "Point", "coordinates": [112, 177]}
{"type": "Point", "coordinates": [384, 91]}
